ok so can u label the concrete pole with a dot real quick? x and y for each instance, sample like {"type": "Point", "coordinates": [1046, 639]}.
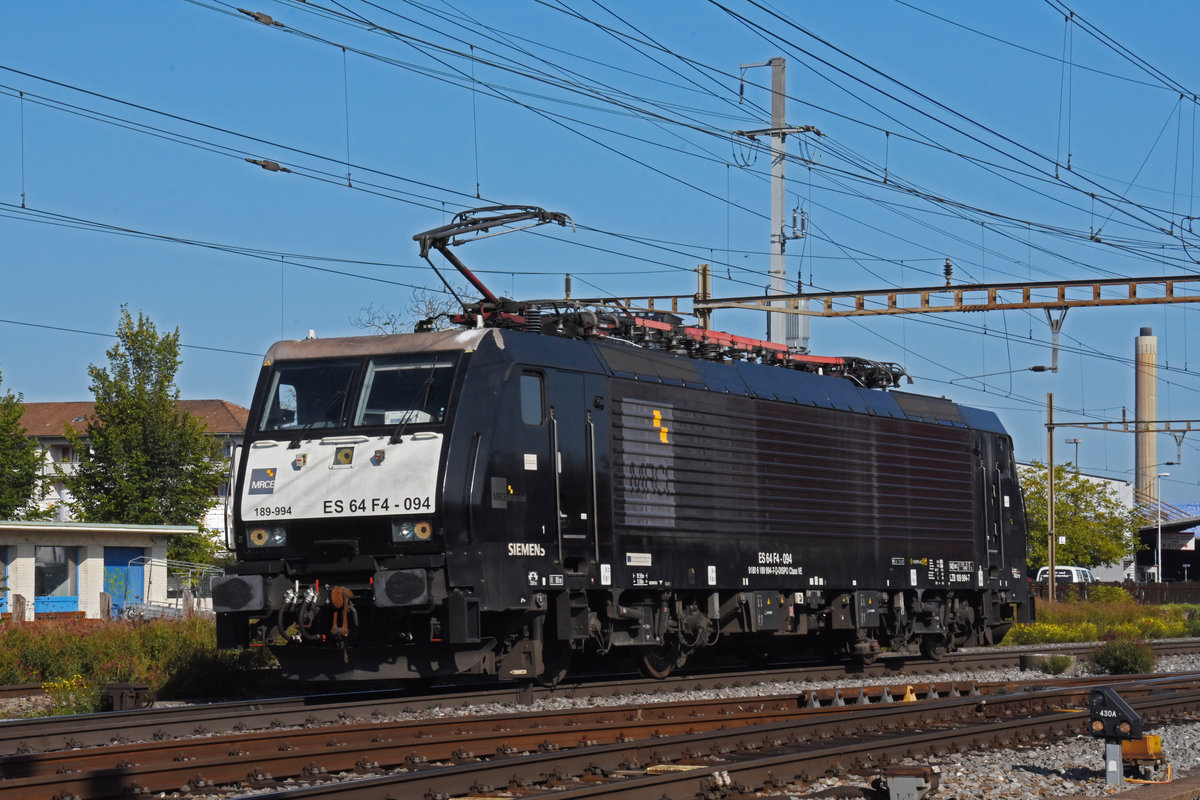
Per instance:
{"type": "Point", "coordinates": [1145, 411]}
{"type": "Point", "coordinates": [1050, 540]}
{"type": "Point", "coordinates": [777, 321]}
{"type": "Point", "coordinates": [1158, 570]}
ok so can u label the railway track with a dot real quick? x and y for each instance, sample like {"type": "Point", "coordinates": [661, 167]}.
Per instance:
{"type": "Point", "coordinates": [27, 736]}
{"type": "Point", "coordinates": [617, 751]}
{"type": "Point", "coordinates": [735, 762]}
{"type": "Point", "coordinates": [263, 741]}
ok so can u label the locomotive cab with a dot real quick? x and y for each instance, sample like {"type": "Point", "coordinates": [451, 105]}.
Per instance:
{"type": "Point", "coordinates": [337, 515]}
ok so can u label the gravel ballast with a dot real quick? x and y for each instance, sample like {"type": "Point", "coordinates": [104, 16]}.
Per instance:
{"type": "Point", "coordinates": [1073, 767]}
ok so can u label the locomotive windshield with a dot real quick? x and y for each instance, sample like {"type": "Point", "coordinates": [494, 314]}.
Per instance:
{"type": "Point", "coordinates": [386, 390]}
{"type": "Point", "coordinates": [405, 390]}
{"type": "Point", "coordinates": [308, 394]}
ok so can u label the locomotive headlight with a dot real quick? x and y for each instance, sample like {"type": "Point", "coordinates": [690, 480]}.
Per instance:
{"type": "Point", "coordinates": [411, 531]}
{"type": "Point", "coordinates": [404, 531]}
{"type": "Point", "coordinates": [266, 536]}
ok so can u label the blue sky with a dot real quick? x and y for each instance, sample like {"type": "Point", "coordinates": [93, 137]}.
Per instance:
{"type": "Point", "coordinates": [124, 129]}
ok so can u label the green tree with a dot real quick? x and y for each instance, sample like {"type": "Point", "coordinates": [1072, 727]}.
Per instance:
{"type": "Point", "coordinates": [21, 479]}
{"type": "Point", "coordinates": [1100, 529]}
{"type": "Point", "coordinates": [200, 546]}
{"type": "Point", "coordinates": [142, 461]}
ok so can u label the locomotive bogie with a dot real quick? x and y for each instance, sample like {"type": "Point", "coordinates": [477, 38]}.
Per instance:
{"type": "Point", "coordinates": [495, 502]}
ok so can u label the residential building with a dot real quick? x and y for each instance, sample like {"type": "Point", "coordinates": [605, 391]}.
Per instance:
{"type": "Point", "coordinates": [47, 423]}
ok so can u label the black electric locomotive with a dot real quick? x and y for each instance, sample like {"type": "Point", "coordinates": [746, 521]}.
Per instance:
{"type": "Point", "coordinates": [558, 483]}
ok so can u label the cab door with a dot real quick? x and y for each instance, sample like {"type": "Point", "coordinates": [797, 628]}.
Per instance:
{"type": "Point", "coordinates": [572, 435]}
{"type": "Point", "coordinates": [555, 480]}
{"type": "Point", "coordinates": [1005, 512]}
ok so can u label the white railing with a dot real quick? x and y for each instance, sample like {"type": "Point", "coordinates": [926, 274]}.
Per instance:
{"type": "Point", "coordinates": [183, 578]}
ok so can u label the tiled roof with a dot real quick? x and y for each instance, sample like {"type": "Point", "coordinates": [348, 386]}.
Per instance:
{"type": "Point", "coordinates": [47, 419]}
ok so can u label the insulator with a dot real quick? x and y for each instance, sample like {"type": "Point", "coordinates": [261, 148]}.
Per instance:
{"type": "Point", "coordinates": [533, 319]}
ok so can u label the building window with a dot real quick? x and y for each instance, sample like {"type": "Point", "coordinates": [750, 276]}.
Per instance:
{"type": "Point", "coordinates": [64, 454]}
{"type": "Point", "coordinates": [54, 571]}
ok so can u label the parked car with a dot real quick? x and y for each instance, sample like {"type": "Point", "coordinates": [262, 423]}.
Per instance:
{"type": "Point", "coordinates": [1066, 575]}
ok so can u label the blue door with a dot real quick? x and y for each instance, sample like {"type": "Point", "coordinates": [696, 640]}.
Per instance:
{"type": "Point", "coordinates": [124, 582]}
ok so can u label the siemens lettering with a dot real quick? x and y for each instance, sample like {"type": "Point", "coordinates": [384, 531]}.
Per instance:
{"type": "Point", "coordinates": [525, 549]}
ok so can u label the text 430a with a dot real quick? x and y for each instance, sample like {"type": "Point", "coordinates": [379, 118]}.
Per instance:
{"type": "Point", "coordinates": [360, 505]}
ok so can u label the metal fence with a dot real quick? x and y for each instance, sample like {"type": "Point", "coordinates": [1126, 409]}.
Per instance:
{"type": "Point", "coordinates": [189, 586]}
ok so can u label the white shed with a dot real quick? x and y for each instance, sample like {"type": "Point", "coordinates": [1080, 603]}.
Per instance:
{"type": "Point", "coordinates": [65, 566]}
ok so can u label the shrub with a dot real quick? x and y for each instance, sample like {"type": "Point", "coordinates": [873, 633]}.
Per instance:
{"type": "Point", "coordinates": [1125, 630]}
{"type": "Point", "coordinates": [1050, 633]}
{"type": "Point", "coordinates": [1109, 594]}
{"type": "Point", "coordinates": [1158, 628]}
{"type": "Point", "coordinates": [1057, 664]}
{"type": "Point", "coordinates": [1124, 657]}
{"type": "Point", "coordinates": [1187, 615]}
{"type": "Point", "coordinates": [1102, 613]}
{"type": "Point", "coordinates": [75, 659]}
{"type": "Point", "coordinates": [72, 695]}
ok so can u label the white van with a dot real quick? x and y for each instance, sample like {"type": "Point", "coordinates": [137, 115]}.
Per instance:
{"type": "Point", "coordinates": [1066, 575]}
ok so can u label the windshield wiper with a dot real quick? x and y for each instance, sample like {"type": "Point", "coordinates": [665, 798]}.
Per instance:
{"type": "Point", "coordinates": [294, 444]}
{"type": "Point", "coordinates": [423, 394]}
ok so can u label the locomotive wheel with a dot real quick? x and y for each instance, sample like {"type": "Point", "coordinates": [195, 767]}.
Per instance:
{"type": "Point", "coordinates": [933, 647]}
{"type": "Point", "coordinates": [660, 661]}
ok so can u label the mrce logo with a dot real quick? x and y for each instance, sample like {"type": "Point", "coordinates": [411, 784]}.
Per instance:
{"type": "Point", "coordinates": [262, 481]}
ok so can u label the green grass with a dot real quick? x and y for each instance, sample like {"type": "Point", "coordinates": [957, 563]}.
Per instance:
{"type": "Point", "coordinates": [1117, 619]}
{"type": "Point", "coordinates": [1057, 664]}
{"type": "Point", "coordinates": [76, 659]}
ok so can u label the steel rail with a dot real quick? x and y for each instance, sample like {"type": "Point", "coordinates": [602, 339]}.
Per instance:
{"type": "Point", "coordinates": [766, 756]}
{"type": "Point", "coordinates": [25, 736]}
{"type": "Point", "coordinates": [103, 772]}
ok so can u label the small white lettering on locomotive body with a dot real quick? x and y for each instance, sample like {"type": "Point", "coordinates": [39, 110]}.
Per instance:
{"type": "Point", "coordinates": [525, 549]}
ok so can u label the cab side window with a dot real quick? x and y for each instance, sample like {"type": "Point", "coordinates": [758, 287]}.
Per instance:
{"type": "Point", "coordinates": [533, 407]}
